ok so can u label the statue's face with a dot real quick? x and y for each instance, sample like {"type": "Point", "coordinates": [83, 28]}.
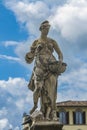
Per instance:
{"type": "Point", "coordinates": [45, 29]}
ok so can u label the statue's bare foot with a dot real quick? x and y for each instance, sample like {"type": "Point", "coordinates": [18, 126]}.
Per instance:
{"type": "Point", "coordinates": [55, 119]}
{"type": "Point", "coordinates": [47, 118]}
{"type": "Point", "coordinates": [33, 109]}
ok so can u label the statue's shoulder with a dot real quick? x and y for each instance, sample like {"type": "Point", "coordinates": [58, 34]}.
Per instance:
{"type": "Point", "coordinates": [36, 42]}
{"type": "Point", "coordinates": [51, 40]}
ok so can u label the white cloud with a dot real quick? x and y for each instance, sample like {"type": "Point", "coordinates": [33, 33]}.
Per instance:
{"type": "Point", "coordinates": [76, 77]}
{"type": "Point", "coordinates": [70, 19]}
{"type": "Point", "coordinates": [28, 99]}
{"type": "Point", "coordinates": [29, 13]}
{"type": "Point", "coordinates": [3, 112]}
{"type": "Point", "coordinates": [10, 43]}
{"type": "Point", "coordinates": [11, 58]}
{"type": "Point", "coordinates": [27, 9]}
{"type": "Point", "coordinates": [16, 97]}
{"type": "Point", "coordinates": [20, 103]}
{"type": "Point", "coordinates": [17, 88]}
{"type": "Point", "coordinates": [17, 128]}
{"type": "Point", "coordinates": [21, 48]}
{"type": "Point", "coordinates": [14, 85]}
{"type": "Point", "coordinates": [72, 94]}
{"type": "Point", "coordinates": [4, 124]}
{"type": "Point", "coordinates": [73, 85]}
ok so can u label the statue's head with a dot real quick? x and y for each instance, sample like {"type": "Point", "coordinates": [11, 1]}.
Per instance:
{"type": "Point", "coordinates": [44, 25]}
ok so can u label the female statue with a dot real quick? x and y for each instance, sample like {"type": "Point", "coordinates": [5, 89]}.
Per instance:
{"type": "Point", "coordinates": [46, 70]}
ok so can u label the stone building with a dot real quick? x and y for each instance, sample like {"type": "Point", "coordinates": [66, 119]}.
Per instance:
{"type": "Point", "coordinates": [73, 114]}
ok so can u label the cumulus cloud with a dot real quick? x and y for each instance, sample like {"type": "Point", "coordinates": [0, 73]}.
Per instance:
{"type": "Point", "coordinates": [29, 13]}
{"type": "Point", "coordinates": [17, 88]}
{"type": "Point", "coordinates": [74, 83]}
{"type": "Point", "coordinates": [4, 124]}
{"type": "Point", "coordinates": [14, 85]}
{"type": "Point", "coordinates": [71, 77]}
{"type": "Point", "coordinates": [15, 99]}
{"type": "Point", "coordinates": [70, 19]}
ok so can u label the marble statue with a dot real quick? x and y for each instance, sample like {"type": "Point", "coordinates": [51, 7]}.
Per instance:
{"type": "Point", "coordinates": [46, 70]}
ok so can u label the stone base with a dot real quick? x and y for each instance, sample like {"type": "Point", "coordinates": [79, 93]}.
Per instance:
{"type": "Point", "coordinates": [46, 125]}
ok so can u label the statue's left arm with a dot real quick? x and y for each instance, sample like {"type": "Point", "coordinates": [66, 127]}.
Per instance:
{"type": "Point", "coordinates": [58, 51]}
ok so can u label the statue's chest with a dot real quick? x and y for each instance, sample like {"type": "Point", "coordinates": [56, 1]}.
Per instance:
{"type": "Point", "coordinates": [44, 48]}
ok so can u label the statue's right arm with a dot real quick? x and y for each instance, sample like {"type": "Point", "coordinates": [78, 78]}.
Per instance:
{"type": "Point", "coordinates": [33, 46]}
{"type": "Point", "coordinates": [30, 55]}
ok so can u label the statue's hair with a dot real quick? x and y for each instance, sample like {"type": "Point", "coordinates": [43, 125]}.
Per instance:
{"type": "Point", "coordinates": [46, 21]}
{"type": "Point", "coordinates": [41, 26]}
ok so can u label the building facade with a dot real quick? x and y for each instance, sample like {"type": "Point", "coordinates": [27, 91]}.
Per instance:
{"type": "Point", "coordinates": [73, 114]}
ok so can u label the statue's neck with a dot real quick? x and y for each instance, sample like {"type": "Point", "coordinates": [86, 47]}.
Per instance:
{"type": "Point", "coordinates": [43, 37]}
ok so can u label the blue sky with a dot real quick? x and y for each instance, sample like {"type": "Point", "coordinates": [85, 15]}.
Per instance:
{"type": "Point", "coordinates": [19, 27]}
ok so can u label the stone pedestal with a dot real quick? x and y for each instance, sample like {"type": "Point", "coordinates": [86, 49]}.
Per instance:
{"type": "Point", "coordinates": [46, 125]}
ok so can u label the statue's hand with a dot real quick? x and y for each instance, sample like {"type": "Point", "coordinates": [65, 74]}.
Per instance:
{"type": "Point", "coordinates": [60, 61]}
{"type": "Point", "coordinates": [29, 57]}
